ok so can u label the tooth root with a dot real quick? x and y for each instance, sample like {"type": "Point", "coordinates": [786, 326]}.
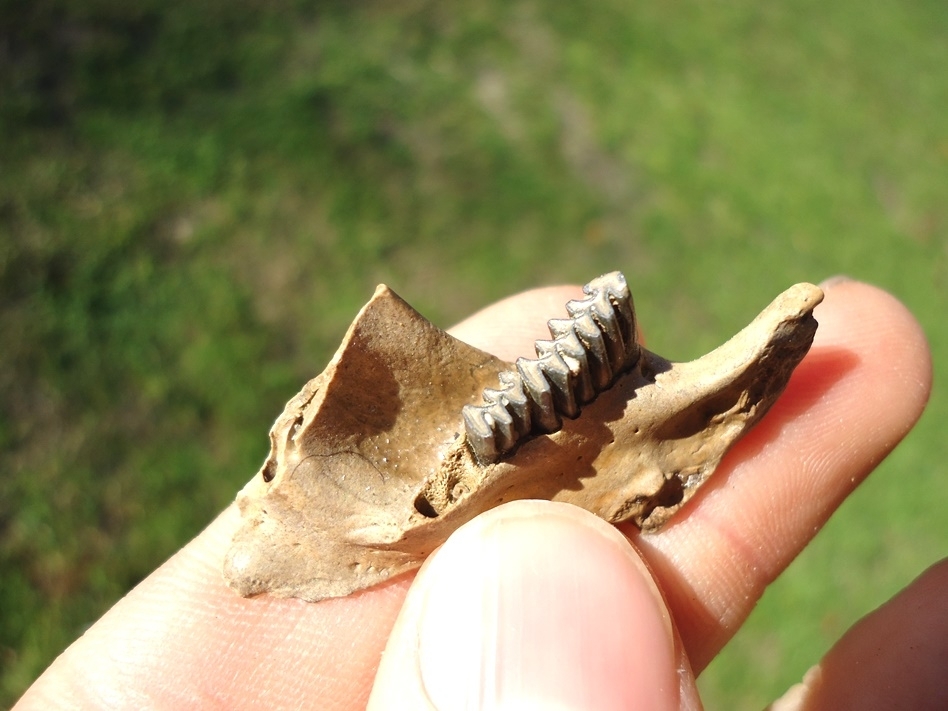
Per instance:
{"type": "Point", "coordinates": [518, 405]}
{"type": "Point", "coordinates": [538, 389]}
{"type": "Point", "coordinates": [590, 336]}
{"type": "Point", "coordinates": [480, 434]}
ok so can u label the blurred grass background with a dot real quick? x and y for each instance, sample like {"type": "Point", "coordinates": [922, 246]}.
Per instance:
{"type": "Point", "coordinates": [196, 198]}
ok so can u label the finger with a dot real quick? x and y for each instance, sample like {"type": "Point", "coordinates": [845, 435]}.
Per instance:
{"type": "Point", "coordinates": [182, 636]}
{"type": "Point", "coordinates": [895, 658]}
{"type": "Point", "coordinates": [534, 605]}
{"type": "Point", "coordinates": [509, 328]}
{"type": "Point", "coordinates": [860, 389]}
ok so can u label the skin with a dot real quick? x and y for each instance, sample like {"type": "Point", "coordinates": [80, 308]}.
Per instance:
{"type": "Point", "coordinates": [182, 639]}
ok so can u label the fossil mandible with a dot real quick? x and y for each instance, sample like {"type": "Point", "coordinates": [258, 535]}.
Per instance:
{"type": "Point", "coordinates": [409, 433]}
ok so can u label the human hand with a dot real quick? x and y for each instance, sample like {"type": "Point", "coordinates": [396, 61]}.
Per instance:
{"type": "Point", "coordinates": [181, 638]}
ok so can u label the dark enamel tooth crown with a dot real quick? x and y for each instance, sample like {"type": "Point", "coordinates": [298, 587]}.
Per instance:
{"type": "Point", "coordinates": [588, 350]}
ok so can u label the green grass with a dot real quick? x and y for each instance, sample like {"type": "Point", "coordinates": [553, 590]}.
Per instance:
{"type": "Point", "coordinates": [195, 199]}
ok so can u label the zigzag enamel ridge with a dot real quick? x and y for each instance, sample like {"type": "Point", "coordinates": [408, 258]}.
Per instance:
{"type": "Point", "coordinates": [589, 349]}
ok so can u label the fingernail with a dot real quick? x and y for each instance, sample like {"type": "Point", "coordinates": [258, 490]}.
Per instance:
{"type": "Point", "coordinates": [836, 280]}
{"type": "Point", "coordinates": [538, 605]}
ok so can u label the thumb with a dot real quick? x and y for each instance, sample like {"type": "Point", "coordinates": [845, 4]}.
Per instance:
{"type": "Point", "coordinates": [534, 605]}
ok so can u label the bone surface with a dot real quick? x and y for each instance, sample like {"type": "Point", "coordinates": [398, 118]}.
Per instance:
{"type": "Point", "coordinates": [408, 433]}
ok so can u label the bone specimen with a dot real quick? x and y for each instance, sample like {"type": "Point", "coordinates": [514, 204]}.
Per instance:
{"type": "Point", "coordinates": [409, 433]}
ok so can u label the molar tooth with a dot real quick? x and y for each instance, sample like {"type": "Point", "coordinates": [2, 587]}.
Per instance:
{"type": "Point", "coordinates": [560, 326]}
{"type": "Point", "coordinates": [518, 405]}
{"type": "Point", "coordinates": [480, 433]}
{"type": "Point", "coordinates": [590, 336]}
{"type": "Point", "coordinates": [544, 348]}
{"type": "Point", "coordinates": [542, 414]}
{"type": "Point", "coordinates": [615, 287]}
{"type": "Point", "coordinates": [503, 426]}
{"type": "Point", "coordinates": [611, 326]}
{"type": "Point", "coordinates": [598, 306]}
{"type": "Point", "coordinates": [571, 350]}
{"type": "Point", "coordinates": [578, 307]}
{"type": "Point", "coordinates": [587, 351]}
{"type": "Point", "coordinates": [558, 374]}
{"type": "Point", "coordinates": [491, 396]}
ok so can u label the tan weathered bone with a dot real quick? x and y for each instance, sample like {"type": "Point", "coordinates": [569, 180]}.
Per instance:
{"type": "Point", "coordinates": [406, 435]}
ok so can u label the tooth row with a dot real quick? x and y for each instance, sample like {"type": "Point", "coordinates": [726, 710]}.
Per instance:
{"type": "Point", "coordinates": [588, 350]}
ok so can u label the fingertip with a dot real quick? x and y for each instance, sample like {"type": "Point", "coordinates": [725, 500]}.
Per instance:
{"type": "Point", "coordinates": [871, 321]}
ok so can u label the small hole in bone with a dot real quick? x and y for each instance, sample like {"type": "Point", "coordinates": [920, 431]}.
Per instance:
{"type": "Point", "coordinates": [424, 507]}
{"type": "Point", "coordinates": [458, 491]}
{"type": "Point", "coordinates": [269, 470]}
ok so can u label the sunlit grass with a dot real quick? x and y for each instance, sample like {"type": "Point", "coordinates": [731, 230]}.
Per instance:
{"type": "Point", "coordinates": [196, 199]}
